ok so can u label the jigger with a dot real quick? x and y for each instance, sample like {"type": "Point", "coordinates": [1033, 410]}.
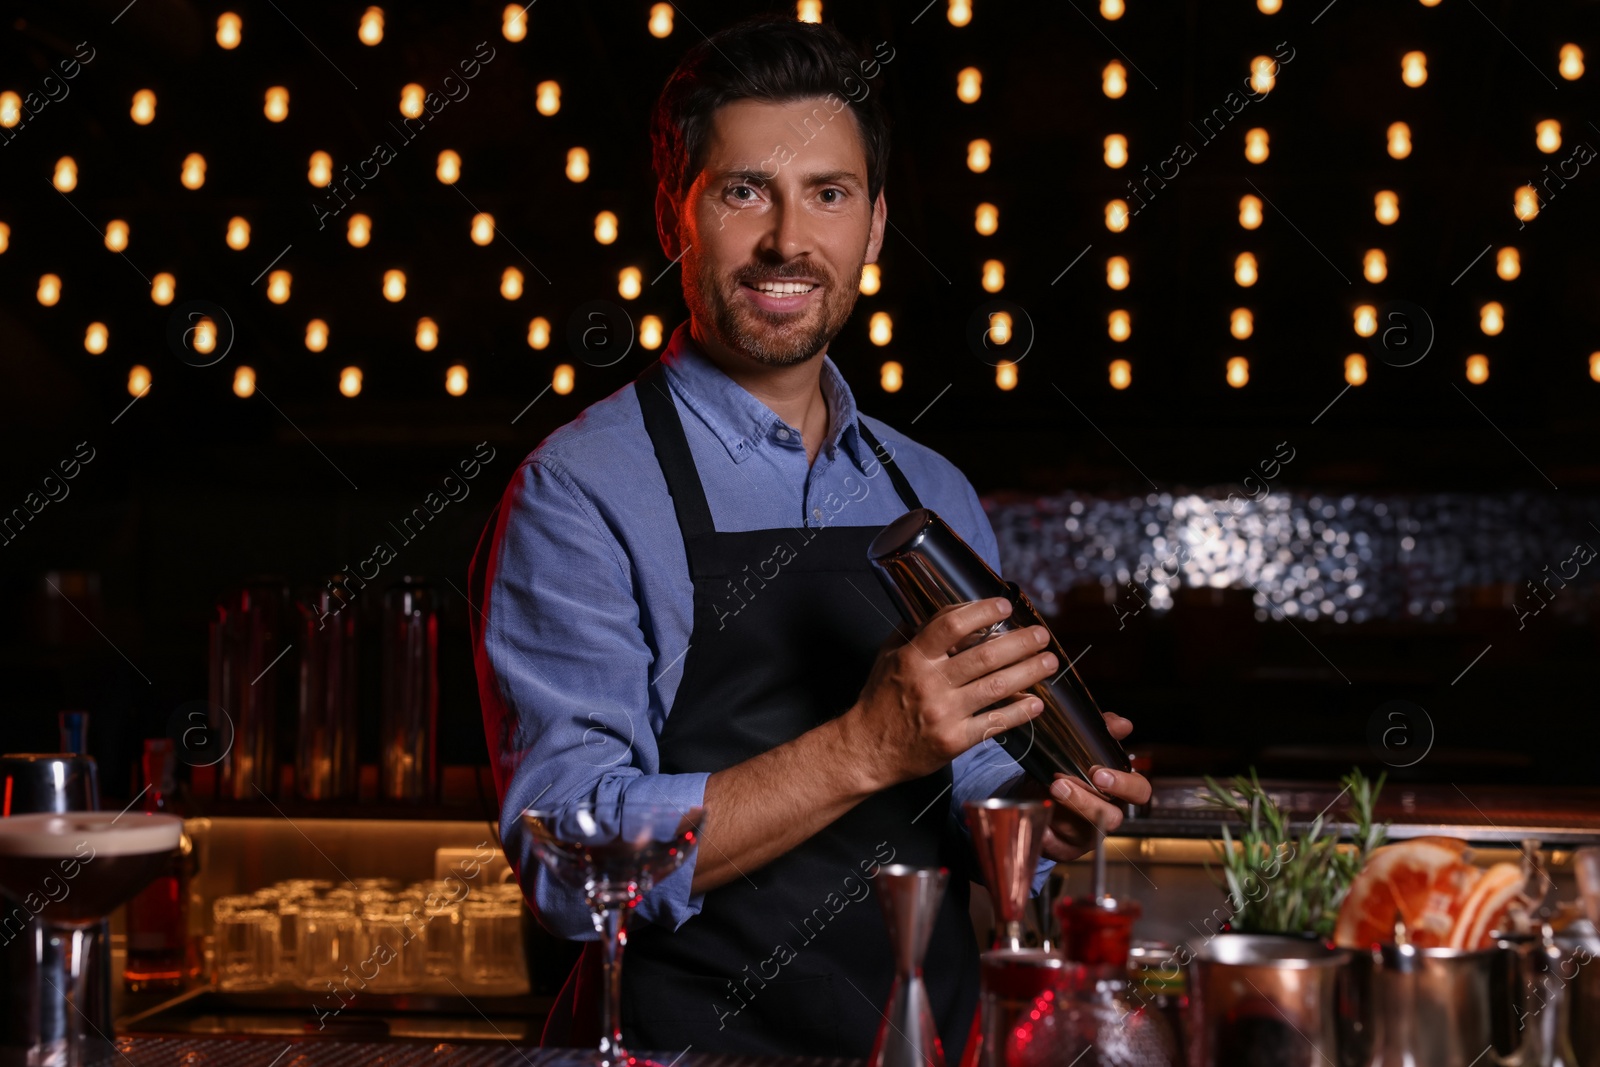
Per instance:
{"type": "Point", "coordinates": [1008, 836]}
{"type": "Point", "coordinates": [910, 898]}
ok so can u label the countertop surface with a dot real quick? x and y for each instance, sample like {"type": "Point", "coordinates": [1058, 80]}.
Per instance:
{"type": "Point", "coordinates": [276, 1052]}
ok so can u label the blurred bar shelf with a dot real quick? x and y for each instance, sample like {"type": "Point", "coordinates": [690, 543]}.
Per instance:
{"type": "Point", "coordinates": [1480, 814]}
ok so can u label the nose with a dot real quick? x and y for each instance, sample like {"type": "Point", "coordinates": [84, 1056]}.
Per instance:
{"type": "Point", "coordinates": [788, 234]}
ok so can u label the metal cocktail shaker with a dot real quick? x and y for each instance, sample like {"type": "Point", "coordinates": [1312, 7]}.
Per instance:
{"type": "Point", "coordinates": [926, 566]}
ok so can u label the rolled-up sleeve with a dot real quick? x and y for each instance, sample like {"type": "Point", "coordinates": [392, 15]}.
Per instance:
{"type": "Point", "coordinates": [564, 677]}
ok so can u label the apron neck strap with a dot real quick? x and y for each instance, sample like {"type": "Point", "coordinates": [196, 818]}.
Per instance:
{"type": "Point", "coordinates": [908, 496]}
{"type": "Point", "coordinates": [661, 421]}
{"type": "Point", "coordinates": [672, 451]}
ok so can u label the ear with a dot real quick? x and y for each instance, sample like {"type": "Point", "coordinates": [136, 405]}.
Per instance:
{"type": "Point", "coordinates": [667, 223]}
{"type": "Point", "coordinates": [880, 216]}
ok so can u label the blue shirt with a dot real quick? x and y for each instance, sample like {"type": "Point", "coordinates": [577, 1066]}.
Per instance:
{"type": "Point", "coordinates": [589, 602]}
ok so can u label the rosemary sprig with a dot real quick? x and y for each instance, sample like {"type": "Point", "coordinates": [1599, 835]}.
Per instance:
{"type": "Point", "coordinates": [1279, 884]}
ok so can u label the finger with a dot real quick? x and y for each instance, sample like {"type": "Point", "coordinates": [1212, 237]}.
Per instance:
{"type": "Point", "coordinates": [1072, 833]}
{"type": "Point", "coordinates": [952, 624]}
{"type": "Point", "coordinates": [1059, 848]}
{"type": "Point", "coordinates": [1083, 804]}
{"type": "Point", "coordinates": [1128, 785]}
{"type": "Point", "coordinates": [998, 720]}
{"type": "Point", "coordinates": [982, 692]}
{"type": "Point", "coordinates": [995, 653]}
{"type": "Point", "coordinates": [1117, 725]}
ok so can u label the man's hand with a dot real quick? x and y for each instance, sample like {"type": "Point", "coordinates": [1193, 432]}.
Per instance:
{"type": "Point", "coordinates": [919, 708]}
{"type": "Point", "coordinates": [1079, 820]}
{"type": "Point", "coordinates": [918, 711]}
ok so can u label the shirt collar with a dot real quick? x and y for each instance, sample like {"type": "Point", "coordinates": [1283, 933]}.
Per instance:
{"type": "Point", "coordinates": [738, 419]}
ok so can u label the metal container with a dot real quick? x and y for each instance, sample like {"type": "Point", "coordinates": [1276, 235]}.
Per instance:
{"type": "Point", "coordinates": [30, 1020]}
{"type": "Point", "coordinates": [1580, 947]}
{"type": "Point", "coordinates": [248, 634]}
{"type": "Point", "coordinates": [1434, 1007]}
{"type": "Point", "coordinates": [1268, 999]}
{"type": "Point", "coordinates": [926, 566]}
{"type": "Point", "coordinates": [55, 781]}
{"type": "Point", "coordinates": [325, 750]}
{"type": "Point", "coordinates": [409, 735]}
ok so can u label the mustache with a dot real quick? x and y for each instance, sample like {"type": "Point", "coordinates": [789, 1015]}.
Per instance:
{"type": "Point", "coordinates": [751, 278]}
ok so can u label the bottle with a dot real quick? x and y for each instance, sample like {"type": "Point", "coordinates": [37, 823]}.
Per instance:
{"type": "Point", "coordinates": [161, 952]}
{"type": "Point", "coordinates": [74, 729]}
{"type": "Point", "coordinates": [1112, 1026]}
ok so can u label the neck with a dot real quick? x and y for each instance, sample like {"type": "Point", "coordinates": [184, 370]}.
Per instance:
{"type": "Point", "coordinates": [793, 392]}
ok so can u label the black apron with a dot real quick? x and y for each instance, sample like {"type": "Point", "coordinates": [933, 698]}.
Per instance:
{"type": "Point", "coordinates": [793, 959]}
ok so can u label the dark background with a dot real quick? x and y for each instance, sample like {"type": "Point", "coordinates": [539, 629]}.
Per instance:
{"type": "Point", "coordinates": [192, 488]}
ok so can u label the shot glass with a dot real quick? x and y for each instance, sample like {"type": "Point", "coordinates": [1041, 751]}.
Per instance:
{"type": "Point", "coordinates": [327, 941]}
{"type": "Point", "coordinates": [392, 949]}
{"type": "Point", "coordinates": [245, 940]}
{"type": "Point", "coordinates": [491, 945]}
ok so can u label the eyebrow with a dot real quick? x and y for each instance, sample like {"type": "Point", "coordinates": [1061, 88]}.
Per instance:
{"type": "Point", "coordinates": [831, 177]}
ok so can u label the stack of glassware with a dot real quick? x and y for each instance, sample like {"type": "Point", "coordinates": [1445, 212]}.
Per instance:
{"type": "Point", "coordinates": [372, 934]}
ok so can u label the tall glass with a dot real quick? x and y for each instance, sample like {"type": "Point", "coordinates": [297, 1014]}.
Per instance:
{"type": "Point", "coordinates": [71, 870]}
{"type": "Point", "coordinates": [246, 634]}
{"type": "Point", "coordinates": [614, 855]}
{"type": "Point", "coordinates": [408, 733]}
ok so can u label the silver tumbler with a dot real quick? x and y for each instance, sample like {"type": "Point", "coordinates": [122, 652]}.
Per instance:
{"type": "Point", "coordinates": [926, 566]}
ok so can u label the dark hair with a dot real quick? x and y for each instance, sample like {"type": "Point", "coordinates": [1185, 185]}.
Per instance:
{"type": "Point", "coordinates": [771, 58]}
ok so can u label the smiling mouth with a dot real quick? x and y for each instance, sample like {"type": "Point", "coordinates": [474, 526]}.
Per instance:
{"type": "Point", "coordinates": [782, 288]}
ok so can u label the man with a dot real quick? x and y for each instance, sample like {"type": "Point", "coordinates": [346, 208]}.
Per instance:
{"type": "Point", "coordinates": [677, 604]}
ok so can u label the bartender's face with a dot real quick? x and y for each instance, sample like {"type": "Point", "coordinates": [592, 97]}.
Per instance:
{"type": "Point", "coordinates": [776, 228]}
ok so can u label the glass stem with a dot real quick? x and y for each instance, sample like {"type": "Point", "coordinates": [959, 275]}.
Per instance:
{"type": "Point", "coordinates": [83, 940]}
{"type": "Point", "coordinates": [62, 957]}
{"type": "Point", "coordinates": [615, 936]}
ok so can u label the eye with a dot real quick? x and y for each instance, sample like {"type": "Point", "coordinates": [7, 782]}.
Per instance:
{"type": "Point", "coordinates": [734, 191]}
{"type": "Point", "coordinates": [837, 194]}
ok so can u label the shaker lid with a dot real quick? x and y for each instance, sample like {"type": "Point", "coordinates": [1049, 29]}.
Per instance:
{"type": "Point", "coordinates": [901, 534]}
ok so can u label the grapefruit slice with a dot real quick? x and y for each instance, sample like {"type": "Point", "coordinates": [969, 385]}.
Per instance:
{"type": "Point", "coordinates": [1488, 906]}
{"type": "Point", "coordinates": [1424, 879]}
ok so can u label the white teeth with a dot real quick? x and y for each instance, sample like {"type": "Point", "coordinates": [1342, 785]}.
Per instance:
{"type": "Point", "coordinates": [784, 288]}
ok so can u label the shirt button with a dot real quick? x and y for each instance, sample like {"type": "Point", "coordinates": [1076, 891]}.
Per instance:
{"type": "Point", "coordinates": [816, 513]}
{"type": "Point", "coordinates": [783, 435]}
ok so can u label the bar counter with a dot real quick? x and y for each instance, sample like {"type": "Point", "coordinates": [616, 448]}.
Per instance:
{"type": "Point", "coordinates": [275, 1052]}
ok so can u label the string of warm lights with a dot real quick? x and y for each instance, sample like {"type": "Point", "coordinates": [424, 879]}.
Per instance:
{"type": "Point", "coordinates": [1528, 200]}
{"type": "Point", "coordinates": [413, 103]}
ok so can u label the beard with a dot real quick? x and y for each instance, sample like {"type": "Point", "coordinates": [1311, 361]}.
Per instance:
{"type": "Point", "coordinates": [776, 339]}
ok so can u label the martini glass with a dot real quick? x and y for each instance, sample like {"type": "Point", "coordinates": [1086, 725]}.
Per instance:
{"type": "Point", "coordinates": [70, 871]}
{"type": "Point", "coordinates": [613, 854]}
